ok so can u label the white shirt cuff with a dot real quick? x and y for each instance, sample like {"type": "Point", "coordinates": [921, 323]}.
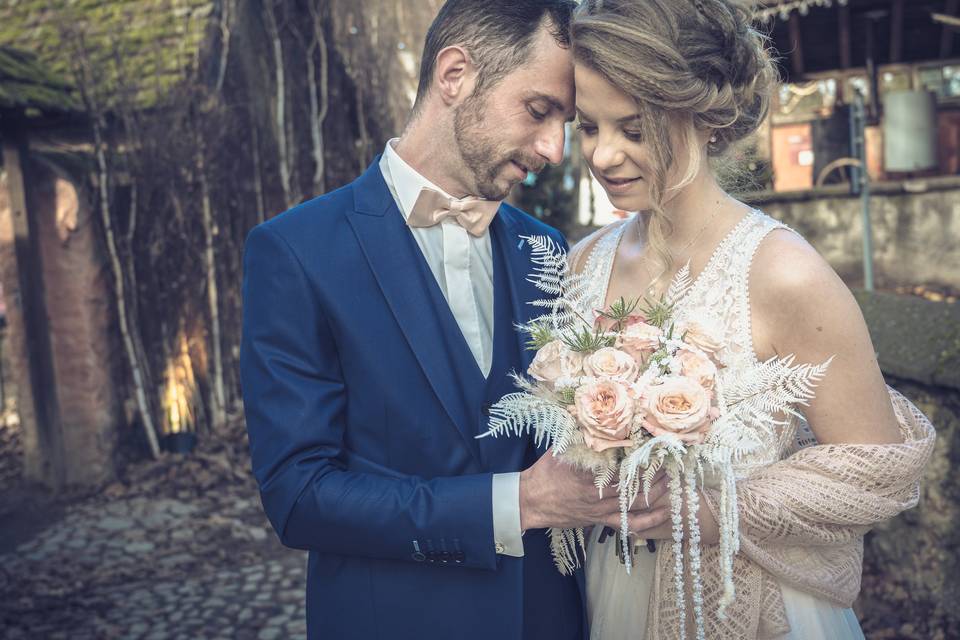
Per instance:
{"type": "Point", "coordinates": [506, 514]}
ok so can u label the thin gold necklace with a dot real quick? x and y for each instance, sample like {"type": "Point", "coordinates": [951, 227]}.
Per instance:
{"type": "Point", "coordinates": [650, 287]}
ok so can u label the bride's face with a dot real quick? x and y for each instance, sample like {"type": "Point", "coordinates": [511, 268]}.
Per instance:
{"type": "Point", "coordinates": [611, 139]}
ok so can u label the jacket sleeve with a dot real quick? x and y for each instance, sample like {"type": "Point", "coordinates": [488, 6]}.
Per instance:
{"type": "Point", "coordinates": [295, 404]}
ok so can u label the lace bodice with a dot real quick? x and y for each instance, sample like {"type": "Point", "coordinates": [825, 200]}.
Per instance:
{"type": "Point", "coordinates": [720, 297]}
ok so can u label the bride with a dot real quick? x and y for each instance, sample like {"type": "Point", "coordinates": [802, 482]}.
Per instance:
{"type": "Point", "coordinates": [664, 88]}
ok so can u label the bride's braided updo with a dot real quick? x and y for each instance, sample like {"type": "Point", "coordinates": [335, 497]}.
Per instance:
{"type": "Point", "coordinates": [691, 65]}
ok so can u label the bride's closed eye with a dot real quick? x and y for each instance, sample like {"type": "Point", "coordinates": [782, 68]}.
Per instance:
{"type": "Point", "coordinates": [586, 128]}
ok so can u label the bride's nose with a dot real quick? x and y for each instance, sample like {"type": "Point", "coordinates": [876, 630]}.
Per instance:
{"type": "Point", "coordinates": [607, 154]}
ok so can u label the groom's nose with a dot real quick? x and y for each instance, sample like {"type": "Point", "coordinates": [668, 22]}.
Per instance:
{"type": "Point", "coordinates": [550, 144]}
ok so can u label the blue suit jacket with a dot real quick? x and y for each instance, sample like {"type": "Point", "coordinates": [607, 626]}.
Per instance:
{"type": "Point", "coordinates": [360, 438]}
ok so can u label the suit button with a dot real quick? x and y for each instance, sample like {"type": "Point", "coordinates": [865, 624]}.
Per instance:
{"type": "Point", "coordinates": [418, 556]}
{"type": "Point", "coordinates": [499, 548]}
{"type": "Point", "coordinates": [459, 557]}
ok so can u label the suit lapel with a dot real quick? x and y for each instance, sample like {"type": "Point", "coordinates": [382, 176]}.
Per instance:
{"type": "Point", "coordinates": [396, 263]}
{"type": "Point", "coordinates": [506, 231]}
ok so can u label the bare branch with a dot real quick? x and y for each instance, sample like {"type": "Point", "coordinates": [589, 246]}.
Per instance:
{"type": "Point", "coordinates": [273, 32]}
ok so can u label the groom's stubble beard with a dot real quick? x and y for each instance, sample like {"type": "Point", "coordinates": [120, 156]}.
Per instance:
{"type": "Point", "coordinates": [482, 155]}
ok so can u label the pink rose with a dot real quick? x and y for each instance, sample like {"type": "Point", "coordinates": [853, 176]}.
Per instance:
{"type": "Point", "coordinates": [611, 363]}
{"type": "Point", "coordinates": [697, 365]}
{"type": "Point", "coordinates": [605, 412]}
{"type": "Point", "coordinates": [640, 340]}
{"type": "Point", "coordinates": [703, 335]}
{"type": "Point", "coordinates": [555, 360]}
{"type": "Point", "coordinates": [679, 406]}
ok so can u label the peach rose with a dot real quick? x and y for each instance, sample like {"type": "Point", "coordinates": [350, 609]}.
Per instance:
{"type": "Point", "coordinates": [703, 335]}
{"type": "Point", "coordinates": [679, 406]}
{"type": "Point", "coordinates": [605, 412]}
{"type": "Point", "coordinates": [640, 340]}
{"type": "Point", "coordinates": [697, 365]}
{"type": "Point", "coordinates": [555, 360]}
{"type": "Point", "coordinates": [611, 363]}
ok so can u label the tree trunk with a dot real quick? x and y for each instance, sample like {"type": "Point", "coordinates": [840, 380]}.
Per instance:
{"type": "Point", "coordinates": [319, 98]}
{"type": "Point", "coordinates": [218, 406]}
{"type": "Point", "coordinates": [280, 127]}
{"type": "Point", "coordinates": [140, 392]}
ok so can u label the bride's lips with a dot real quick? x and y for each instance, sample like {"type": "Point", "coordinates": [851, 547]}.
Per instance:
{"type": "Point", "coordinates": [619, 185]}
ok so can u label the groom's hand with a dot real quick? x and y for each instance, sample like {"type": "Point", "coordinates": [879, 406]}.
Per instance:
{"type": "Point", "coordinates": [648, 511]}
{"type": "Point", "coordinates": [555, 494]}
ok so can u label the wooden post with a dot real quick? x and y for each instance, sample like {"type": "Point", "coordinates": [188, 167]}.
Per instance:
{"type": "Point", "coordinates": [843, 16]}
{"type": "Point", "coordinates": [50, 468]}
{"type": "Point", "coordinates": [896, 30]}
{"type": "Point", "coordinates": [796, 46]}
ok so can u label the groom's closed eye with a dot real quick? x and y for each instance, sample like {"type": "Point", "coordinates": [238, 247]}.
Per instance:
{"type": "Point", "coordinates": [540, 106]}
{"type": "Point", "coordinates": [537, 114]}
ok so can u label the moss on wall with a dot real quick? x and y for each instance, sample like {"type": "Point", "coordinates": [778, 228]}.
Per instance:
{"type": "Point", "coordinates": [148, 45]}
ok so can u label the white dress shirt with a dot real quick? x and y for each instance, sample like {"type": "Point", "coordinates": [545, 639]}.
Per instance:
{"type": "Point", "coordinates": [463, 267]}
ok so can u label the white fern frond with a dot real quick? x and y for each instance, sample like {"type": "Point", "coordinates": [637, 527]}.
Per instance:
{"type": "Point", "coordinates": [772, 386]}
{"type": "Point", "coordinates": [680, 284]}
{"type": "Point", "coordinates": [567, 547]}
{"type": "Point", "coordinates": [568, 293]}
{"type": "Point", "coordinates": [728, 432]}
{"type": "Point", "coordinates": [604, 475]}
{"type": "Point", "coordinates": [550, 263]}
{"type": "Point", "coordinates": [524, 413]}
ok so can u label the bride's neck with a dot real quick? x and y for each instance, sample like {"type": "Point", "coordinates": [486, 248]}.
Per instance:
{"type": "Point", "coordinates": [693, 207]}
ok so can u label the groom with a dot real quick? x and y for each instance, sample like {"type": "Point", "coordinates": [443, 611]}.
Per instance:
{"type": "Point", "coordinates": [378, 329]}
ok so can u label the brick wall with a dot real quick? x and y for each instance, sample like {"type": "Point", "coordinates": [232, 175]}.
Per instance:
{"type": "Point", "coordinates": [80, 310]}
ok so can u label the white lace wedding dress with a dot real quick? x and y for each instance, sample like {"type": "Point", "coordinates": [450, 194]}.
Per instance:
{"type": "Point", "coordinates": [617, 602]}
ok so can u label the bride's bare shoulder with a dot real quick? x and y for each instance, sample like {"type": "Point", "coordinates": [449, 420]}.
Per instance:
{"type": "Point", "coordinates": [581, 250]}
{"type": "Point", "coordinates": [797, 297]}
{"type": "Point", "coordinates": [785, 263]}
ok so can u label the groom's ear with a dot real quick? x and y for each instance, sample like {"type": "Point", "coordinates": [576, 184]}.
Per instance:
{"type": "Point", "coordinates": [456, 75]}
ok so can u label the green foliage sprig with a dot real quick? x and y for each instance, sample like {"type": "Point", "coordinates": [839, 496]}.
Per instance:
{"type": "Point", "coordinates": [540, 335]}
{"type": "Point", "coordinates": [587, 340]}
{"type": "Point", "coordinates": [658, 312]}
{"type": "Point", "coordinates": [620, 311]}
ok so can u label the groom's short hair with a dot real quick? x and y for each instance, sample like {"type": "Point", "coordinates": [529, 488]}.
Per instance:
{"type": "Point", "coordinates": [496, 33]}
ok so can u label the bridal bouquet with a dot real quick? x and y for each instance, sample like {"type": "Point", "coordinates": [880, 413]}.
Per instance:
{"type": "Point", "coordinates": [642, 386]}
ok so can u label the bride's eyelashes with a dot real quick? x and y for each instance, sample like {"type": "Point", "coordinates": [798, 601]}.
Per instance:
{"type": "Point", "coordinates": [591, 130]}
{"type": "Point", "coordinates": [586, 129]}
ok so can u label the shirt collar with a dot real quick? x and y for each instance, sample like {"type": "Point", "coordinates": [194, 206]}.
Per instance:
{"type": "Point", "coordinates": [407, 182]}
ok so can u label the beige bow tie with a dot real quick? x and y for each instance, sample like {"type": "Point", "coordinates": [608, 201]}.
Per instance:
{"type": "Point", "coordinates": [473, 214]}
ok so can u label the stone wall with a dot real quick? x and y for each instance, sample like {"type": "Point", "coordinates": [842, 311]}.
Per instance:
{"type": "Point", "coordinates": [80, 311]}
{"type": "Point", "coordinates": [911, 576]}
{"type": "Point", "coordinates": [916, 226]}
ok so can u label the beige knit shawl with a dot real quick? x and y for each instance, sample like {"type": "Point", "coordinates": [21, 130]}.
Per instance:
{"type": "Point", "coordinates": [802, 521]}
